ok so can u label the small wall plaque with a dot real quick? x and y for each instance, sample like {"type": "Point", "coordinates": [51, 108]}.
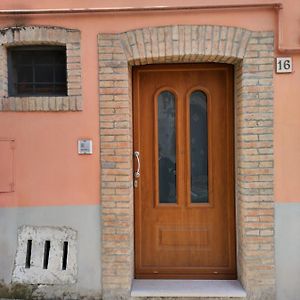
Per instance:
{"type": "Point", "coordinates": [85, 147]}
{"type": "Point", "coordinates": [284, 65]}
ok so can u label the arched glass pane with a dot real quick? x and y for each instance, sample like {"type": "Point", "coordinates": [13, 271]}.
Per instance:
{"type": "Point", "coordinates": [198, 147]}
{"type": "Point", "coordinates": [167, 147]}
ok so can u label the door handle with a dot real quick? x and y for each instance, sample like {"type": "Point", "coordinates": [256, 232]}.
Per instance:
{"type": "Point", "coordinates": [137, 173]}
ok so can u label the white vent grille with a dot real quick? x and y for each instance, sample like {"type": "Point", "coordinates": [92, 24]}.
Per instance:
{"type": "Point", "coordinates": [46, 255]}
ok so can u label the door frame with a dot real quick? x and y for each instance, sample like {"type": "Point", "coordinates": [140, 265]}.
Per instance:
{"type": "Point", "coordinates": [183, 117]}
{"type": "Point", "coordinates": [253, 141]}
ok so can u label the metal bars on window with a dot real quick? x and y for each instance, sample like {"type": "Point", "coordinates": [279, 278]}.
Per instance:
{"type": "Point", "coordinates": [37, 71]}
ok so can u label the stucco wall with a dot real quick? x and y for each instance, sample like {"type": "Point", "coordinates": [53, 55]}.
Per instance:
{"type": "Point", "coordinates": [38, 152]}
{"type": "Point", "coordinates": [49, 173]}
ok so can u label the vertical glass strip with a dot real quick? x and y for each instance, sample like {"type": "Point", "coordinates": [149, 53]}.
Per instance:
{"type": "Point", "coordinates": [198, 147]}
{"type": "Point", "coordinates": [167, 147]}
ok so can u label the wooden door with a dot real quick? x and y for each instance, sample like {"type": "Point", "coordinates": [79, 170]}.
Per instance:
{"type": "Point", "coordinates": [184, 196]}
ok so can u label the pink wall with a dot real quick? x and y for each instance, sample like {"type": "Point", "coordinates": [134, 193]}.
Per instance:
{"type": "Point", "coordinates": [48, 169]}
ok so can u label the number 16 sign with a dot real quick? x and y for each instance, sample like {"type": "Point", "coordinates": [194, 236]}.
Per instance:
{"type": "Point", "coordinates": [284, 65]}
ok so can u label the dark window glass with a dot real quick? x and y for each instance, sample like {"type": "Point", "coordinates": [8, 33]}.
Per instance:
{"type": "Point", "coordinates": [37, 71]}
{"type": "Point", "coordinates": [60, 73]}
{"type": "Point", "coordinates": [167, 147]}
{"type": "Point", "coordinates": [199, 147]}
{"type": "Point", "coordinates": [44, 73]}
{"type": "Point", "coordinates": [24, 73]}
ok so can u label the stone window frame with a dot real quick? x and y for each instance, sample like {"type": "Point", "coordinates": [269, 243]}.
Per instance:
{"type": "Point", "coordinates": [42, 36]}
{"type": "Point", "coordinates": [252, 54]}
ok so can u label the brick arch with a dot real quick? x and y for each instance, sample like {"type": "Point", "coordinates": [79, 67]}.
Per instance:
{"type": "Point", "coordinates": [185, 43]}
{"type": "Point", "coordinates": [252, 55]}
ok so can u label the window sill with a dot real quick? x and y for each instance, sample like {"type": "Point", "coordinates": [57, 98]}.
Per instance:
{"type": "Point", "coordinates": [187, 288]}
{"type": "Point", "coordinates": [48, 103]}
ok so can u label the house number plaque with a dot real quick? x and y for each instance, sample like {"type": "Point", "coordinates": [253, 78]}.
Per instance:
{"type": "Point", "coordinates": [284, 65]}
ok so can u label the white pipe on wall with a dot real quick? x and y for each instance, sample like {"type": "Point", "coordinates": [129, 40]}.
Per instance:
{"type": "Point", "coordinates": [277, 6]}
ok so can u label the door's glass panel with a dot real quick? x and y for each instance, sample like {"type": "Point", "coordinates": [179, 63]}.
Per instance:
{"type": "Point", "coordinates": [198, 147]}
{"type": "Point", "coordinates": [167, 147]}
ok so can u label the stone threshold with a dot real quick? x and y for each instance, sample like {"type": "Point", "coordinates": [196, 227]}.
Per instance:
{"type": "Point", "coordinates": [187, 288]}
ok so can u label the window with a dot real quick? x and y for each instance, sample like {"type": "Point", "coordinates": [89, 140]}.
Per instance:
{"type": "Point", "coordinates": [40, 69]}
{"type": "Point", "coordinates": [37, 71]}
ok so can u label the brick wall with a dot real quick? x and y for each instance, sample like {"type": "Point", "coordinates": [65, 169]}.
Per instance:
{"type": "Point", "coordinates": [255, 166]}
{"type": "Point", "coordinates": [252, 55]}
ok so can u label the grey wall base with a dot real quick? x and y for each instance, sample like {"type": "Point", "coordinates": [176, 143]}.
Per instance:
{"type": "Point", "coordinates": [287, 249]}
{"type": "Point", "coordinates": [86, 220]}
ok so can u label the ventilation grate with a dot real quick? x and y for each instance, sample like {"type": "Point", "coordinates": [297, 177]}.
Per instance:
{"type": "Point", "coordinates": [46, 255]}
